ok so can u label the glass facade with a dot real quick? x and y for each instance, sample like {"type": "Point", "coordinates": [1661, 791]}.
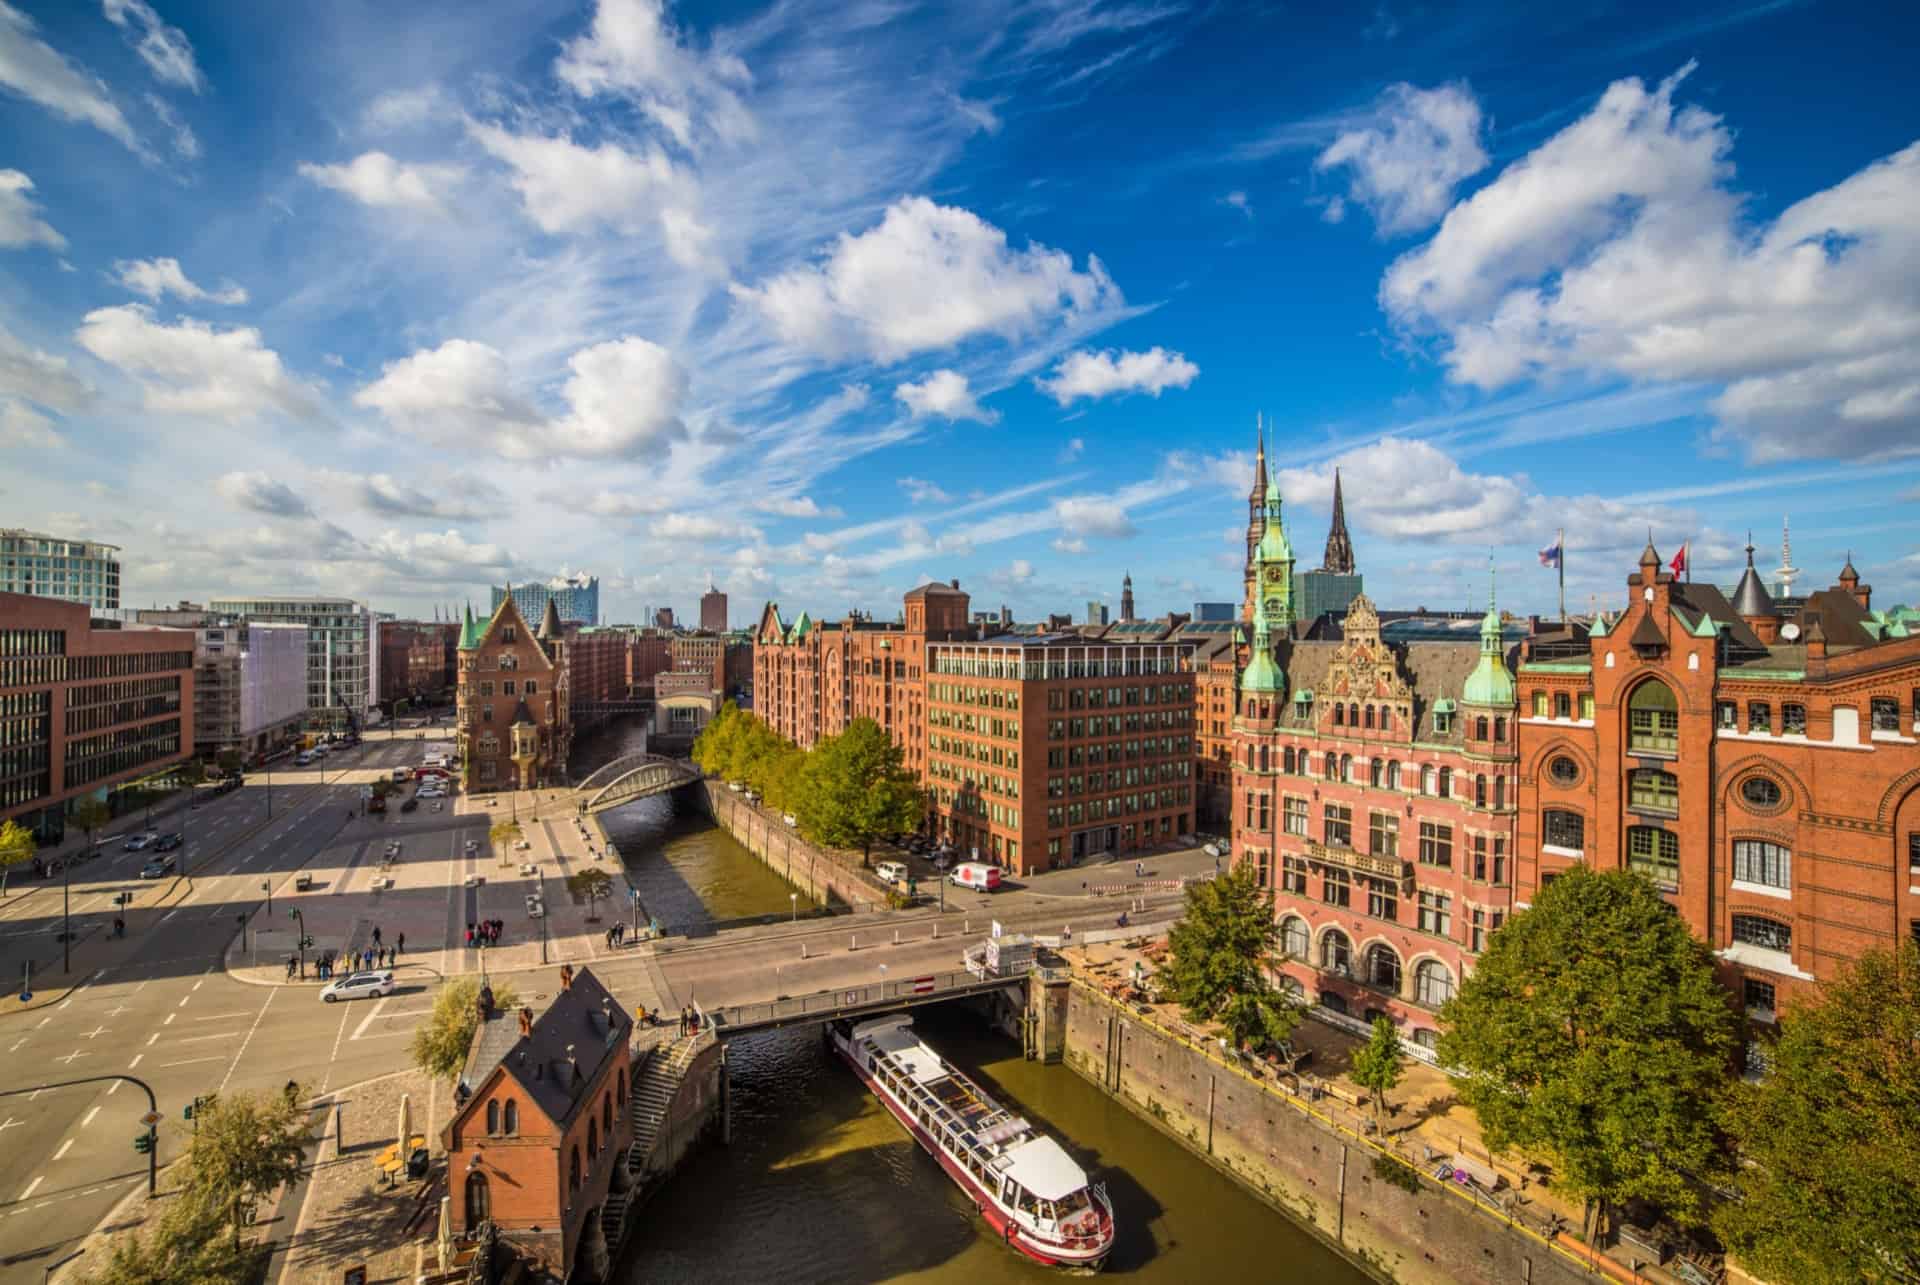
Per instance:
{"type": "Point", "coordinates": [343, 657]}
{"type": "Point", "coordinates": [46, 566]}
{"type": "Point", "coordinates": [576, 598]}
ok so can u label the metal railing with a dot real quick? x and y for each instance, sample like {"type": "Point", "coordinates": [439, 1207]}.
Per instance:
{"type": "Point", "coordinates": [849, 1001]}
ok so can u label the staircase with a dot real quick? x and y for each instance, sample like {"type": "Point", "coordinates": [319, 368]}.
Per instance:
{"type": "Point", "coordinates": [653, 1091]}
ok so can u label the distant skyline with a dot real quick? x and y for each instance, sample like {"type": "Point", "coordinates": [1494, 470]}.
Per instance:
{"type": "Point", "coordinates": [402, 302]}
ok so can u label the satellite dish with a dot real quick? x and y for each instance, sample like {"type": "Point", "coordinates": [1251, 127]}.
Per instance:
{"type": "Point", "coordinates": [1789, 631]}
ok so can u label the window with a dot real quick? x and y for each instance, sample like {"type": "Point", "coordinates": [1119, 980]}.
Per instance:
{"type": "Point", "coordinates": [1393, 776]}
{"type": "Point", "coordinates": [1293, 937]}
{"type": "Point", "coordinates": [1793, 720]}
{"type": "Point", "coordinates": [1563, 771]}
{"type": "Point", "coordinates": [510, 1118]}
{"type": "Point", "coordinates": [1442, 722]}
{"type": "Point", "coordinates": [1383, 834]}
{"type": "Point", "coordinates": [1767, 934]}
{"type": "Point", "coordinates": [506, 687]}
{"type": "Point", "coordinates": [1477, 930]}
{"type": "Point", "coordinates": [1376, 771]}
{"type": "Point", "coordinates": [1294, 815]}
{"type": "Point", "coordinates": [1333, 766]}
{"type": "Point", "coordinates": [1500, 730]}
{"type": "Point", "coordinates": [1446, 782]}
{"type": "Point", "coordinates": [1480, 728]}
{"type": "Point", "coordinates": [1759, 998]}
{"type": "Point", "coordinates": [1885, 711]}
{"type": "Point", "coordinates": [1654, 791]}
{"type": "Point", "coordinates": [1539, 704]}
{"type": "Point", "coordinates": [1436, 845]}
{"type": "Point", "coordinates": [493, 1116]}
{"type": "Point", "coordinates": [593, 1138]}
{"type": "Point", "coordinates": [1654, 853]}
{"type": "Point", "coordinates": [1759, 717]}
{"type": "Point", "coordinates": [1586, 707]}
{"type": "Point", "coordinates": [1428, 780]}
{"type": "Point", "coordinates": [1653, 718]}
{"type": "Point", "coordinates": [1383, 968]}
{"type": "Point", "coordinates": [1383, 901]}
{"type": "Point", "coordinates": [1287, 760]}
{"type": "Point", "coordinates": [606, 1115]}
{"type": "Point", "coordinates": [1479, 791]}
{"type": "Point", "coordinates": [1562, 705]}
{"type": "Point", "coordinates": [1337, 825]}
{"type": "Point", "coordinates": [1760, 792]}
{"type": "Point", "coordinates": [1346, 768]}
{"type": "Point", "coordinates": [1436, 913]}
{"type": "Point", "coordinates": [1564, 830]}
{"type": "Point", "coordinates": [507, 634]}
{"type": "Point", "coordinates": [1758, 862]}
{"type": "Point", "coordinates": [1726, 716]}
{"type": "Point", "coordinates": [1339, 715]}
{"type": "Point", "coordinates": [1336, 886]}
{"type": "Point", "coordinates": [1913, 852]}
{"type": "Point", "coordinates": [1336, 952]}
{"type": "Point", "coordinates": [1432, 983]}
{"type": "Point", "coordinates": [1369, 716]}
{"type": "Point", "coordinates": [573, 1169]}
{"type": "Point", "coordinates": [1293, 875]}
{"type": "Point", "coordinates": [479, 1202]}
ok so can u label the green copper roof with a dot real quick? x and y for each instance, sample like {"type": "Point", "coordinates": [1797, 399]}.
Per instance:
{"type": "Point", "coordinates": [1274, 545]}
{"type": "Point", "coordinates": [1262, 675]}
{"type": "Point", "coordinates": [469, 631]}
{"type": "Point", "coordinates": [1491, 682]}
{"type": "Point", "coordinates": [802, 626]}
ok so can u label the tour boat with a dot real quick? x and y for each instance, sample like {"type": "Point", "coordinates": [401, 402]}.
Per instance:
{"type": "Point", "coordinates": [1024, 1183]}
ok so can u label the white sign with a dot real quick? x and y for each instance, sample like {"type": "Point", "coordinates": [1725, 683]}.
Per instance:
{"type": "Point", "coordinates": [996, 928]}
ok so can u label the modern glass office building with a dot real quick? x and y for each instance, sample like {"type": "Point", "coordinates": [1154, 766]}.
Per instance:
{"type": "Point", "coordinates": [343, 651]}
{"type": "Point", "coordinates": [576, 597]}
{"type": "Point", "coordinates": [47, 566]}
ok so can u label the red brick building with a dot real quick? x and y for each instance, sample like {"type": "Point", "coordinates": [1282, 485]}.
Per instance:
{"type": "Point", "coordinates": [1759, 761]}
{"type": "Point", "coordinates": [649, 652]}
{"type": "Point", "coordinates": [514, 715]}
{"type": "Point", "coordinates": [597, 666]}
{"type": "Point", "coordinates": [83, 710]}
{"type": "Point", "coordinates": [417, 661]}
{"type": "Point", "coordinates": [539, 1138]}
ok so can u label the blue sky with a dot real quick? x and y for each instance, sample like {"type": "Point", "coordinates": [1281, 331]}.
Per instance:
{"type": "Point", "coordinates": [829, 297]}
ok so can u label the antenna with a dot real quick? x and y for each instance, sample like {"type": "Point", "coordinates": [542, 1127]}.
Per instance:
{"type": "Point", "coordinates": [1787, 570]}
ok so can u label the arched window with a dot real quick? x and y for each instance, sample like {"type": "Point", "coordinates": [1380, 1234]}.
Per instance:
{"type": "Point", "coordinates": [479, 1200]}
{"type": "Point", "coordinates": [1499, 792]}
{"type": "Point", "coordinates": [1564, 830]}
{"type": "Point", "coordinates": [1263, 758]}
{"type": "Point", "coordinates": [1294, 939]}
{"type": "Point", "coordinates": [1346, 768]}
{"type": "Point", "coordinates": [510, 1118]}
{"type": "Point", "coordinates": [620, 1088]}
{"type": "Point", "coordinates": [1287, 760]}
{"type": "Point", "coordinates": [1336, 952]}
{"type": "Point", "coordinates": [1479, 791]}
{"type": "Point", "coordinates": [1446, 782]}
{"type": "Point", "coordinates": [1653, 718]}
{"type": "Point", "coordinates": [1432, 983]}
{"type": "Point", "coordinates": [606, 1115]}
{"type": "Point", "coordinates": [1339, 714]}
{"type": "Point", "coordinates": [1393, 776]}
{"type": "Point", "coordinates": [1480, 728]}
{"type": "Point", "coordinates": [573, 1168]}
{"type": "Point", "coordinates": [1383, 967]}
{"type": "Point", "coordinates": [1429, 780]}
{"type": "Point", "coordinates": [1369, 716]}
{"type": "Point", "coordinates": [493, 1116]}
{"type": "Point", "coordinates": [593, 1139]}
{"type": "Point", "coordinates": [1376, 771]}
{"type": "Point", "coordinates": [1500, 730]}
{"type": "Point", "coordinates": [1333, 766]}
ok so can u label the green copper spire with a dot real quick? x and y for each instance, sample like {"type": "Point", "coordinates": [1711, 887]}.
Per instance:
{"type": "Point", "coordinates": [1491, 682]}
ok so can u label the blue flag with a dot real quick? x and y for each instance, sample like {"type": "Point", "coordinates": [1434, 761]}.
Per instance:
{"type": "Point", "coordinates": [1550, 556]}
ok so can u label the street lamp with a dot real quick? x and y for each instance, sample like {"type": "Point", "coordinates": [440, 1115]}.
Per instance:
{"type": "Point", "coordinates": [300, 942]}
{"type": "Point", "coordinates": [793, 899]}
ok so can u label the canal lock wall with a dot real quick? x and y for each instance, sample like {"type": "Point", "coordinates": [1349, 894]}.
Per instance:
{"type": "Point", "coordinates": [825, 876]}
{"type": "Point", "coordinates": [1394, 1220]}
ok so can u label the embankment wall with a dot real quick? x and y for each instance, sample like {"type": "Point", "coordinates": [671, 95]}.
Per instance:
{"type": "Point", "coordinates": [828, 877]}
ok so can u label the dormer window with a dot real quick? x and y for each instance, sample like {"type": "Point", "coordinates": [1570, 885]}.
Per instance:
{"type": "Point", "coordinates": [508, 634]}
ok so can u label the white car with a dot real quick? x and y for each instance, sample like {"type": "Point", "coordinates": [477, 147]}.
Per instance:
{"type": "Point", "coordinates": [473, 846]}
{"type": "Point", "coordinates": [359, 986]}
{"type": "Point", "coordinates": [523, 845]}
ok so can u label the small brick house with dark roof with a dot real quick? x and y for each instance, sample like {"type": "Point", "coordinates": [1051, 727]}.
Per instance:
{"type": "Point", "coordinates": [542, 1126]}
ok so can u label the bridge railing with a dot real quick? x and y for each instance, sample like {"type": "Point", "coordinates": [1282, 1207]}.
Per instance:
{"type": "Point", "coordinates": [829, 1003]}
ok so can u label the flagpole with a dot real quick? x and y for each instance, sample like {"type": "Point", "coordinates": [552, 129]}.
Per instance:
{"type": "Point", "coordinates": [1562, 560]}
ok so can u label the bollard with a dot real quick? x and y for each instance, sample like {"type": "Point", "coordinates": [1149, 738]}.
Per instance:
{"type": "Point", "coordinates": [803, 950]}
{"type": "Point", "coordinates": [853, 941]}
{"type": "Point", "coordinates": [936, 930]}
{"type": "Point", "coordinates": [896, 936]}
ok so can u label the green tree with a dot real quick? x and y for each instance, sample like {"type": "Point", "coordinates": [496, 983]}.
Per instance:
{"type": "Point", "coordinates": [1259, 1017]}
{"type": "Point", "coordinates": [592, 884]}
{"type": "Point", "coordinates": [1592, 1032]}
{"type": "Point", "coordinates": [1378, 1066]}
{"type": "Point", "coordinates": [90, 814]}
{"type": "Point", "coordinates": [242, 1148]}
{"type": "Point", "coordinates": [1223, 945]}
{"type": "Point", "coordinates": [186, 1245]}
{"type": "Point", "coordinates": [1832, 1134]}
{"type": "Point", "coordinates": [502, 833]}
{"type": "Point", "coordinates": [715, 743]}
{"type": "Point", "coordinates": [441, 1041]}
{"type": "Point", "coordinates": [781, 779]}
{"type": "Point", "coordinates": [17, 846]}
{"type": "Point", "coordinates": [191, 772]}
{"type": "Point", "coordinates": [230, 762]}
{"type": "Point", "coordinates": [854, 789]}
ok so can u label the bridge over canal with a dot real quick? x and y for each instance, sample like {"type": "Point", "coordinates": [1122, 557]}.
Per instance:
{"type": "Point", "coordinates": [634, 776]}
{"type": "Point", "coordinates": [855, 1001]}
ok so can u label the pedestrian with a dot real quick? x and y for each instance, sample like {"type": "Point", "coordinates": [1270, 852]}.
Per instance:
{"type": "Point", "coordinates": [469, 936]}
{"type": "Point", "coordinates": [376, 934]}
{"type": "Point", "coordinates": [290, 967]}
{"type": "Point", "coordinates": [1066, 934]}
{"type": "Point", "coordinates": [399, 943]}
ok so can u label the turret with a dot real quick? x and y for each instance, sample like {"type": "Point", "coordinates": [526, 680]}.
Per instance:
{"type": "Point", "coordinates": [1850, 583]}
{"type": "Point", "coordinates": [1339, 555]}
{"type": "Point", "coordinates": [1490, 685]}
{"type": "Point", "coordinates": [1255, 499]}
{"type": "Point", "coordinates": [1126, 596]}
{"type": "Point", "coordinates": [1753, 604]}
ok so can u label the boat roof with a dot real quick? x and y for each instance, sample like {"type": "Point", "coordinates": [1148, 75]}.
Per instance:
{"type": "Point", "coordinates": [894, 1036]}
{"type": "Point", "coordinates": [1044, 1168]}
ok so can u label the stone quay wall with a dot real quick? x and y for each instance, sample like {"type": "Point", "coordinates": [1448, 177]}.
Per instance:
{"type": "Point", "coordinates": [1410, 1228]}
{"type": "Point", "coordinates": [831, 878]}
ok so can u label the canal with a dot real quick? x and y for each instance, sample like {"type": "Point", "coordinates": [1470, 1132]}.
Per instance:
{"type": "Point", "coordinates": [821, 1184]}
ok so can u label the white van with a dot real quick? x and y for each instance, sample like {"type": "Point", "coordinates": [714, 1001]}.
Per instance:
{"type": "Point", "coordinates": [976, 875]}
{"type": "Point", "coordinates": [892, 872]}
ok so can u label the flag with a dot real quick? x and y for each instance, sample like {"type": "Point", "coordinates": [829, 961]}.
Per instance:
{"type": "Point", "coordinates": [1679, 562]}
{"type": "Point", "coordinates": [1550, 556]}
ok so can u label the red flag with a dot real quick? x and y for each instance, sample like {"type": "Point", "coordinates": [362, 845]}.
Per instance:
{"type": "Point", "coordinates": [1679, 562]}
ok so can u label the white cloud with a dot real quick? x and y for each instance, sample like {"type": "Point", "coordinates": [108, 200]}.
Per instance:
{"type": "Point", "coordinates": [185, 144]}
{"type": "Point", "coordinates": [20, 221]}
{"type": "Point", "coordinates": [1072, 546]}
{"type": "Point", "coordinates": [944, 393]}
{"type": "Point", "coordinates": [193, 369]}
{"type": "Point", "coordinates": [33, 69]}
{"type": "Point", "coordinates": [1408, 489]}
{"type": "Point", "coordinates": [1091, 515]}
{"type": "Point", "coordinates": [632, 51]}
{"type": "Point", "coordinates": [921, 491]}
{"type": "Point", "coordinates": [441, 556]}
{"type": "Point", "coordinates": [1239, 201]}
{"type": "Point", "coordinates": [927, 277]}
{"type": "Point", "coordinates": [32, 375]}
{"type": "Point", "coordinates": [155, 278]}
{"type": "Point", "coordinates": [623, 398]}
{"type": "Point", "coordinates": [615, 504]}
{"type": "Point", "coordinates": [793, 506]}
{"type": "Point", "coordinates": [456, 497]}
{"type": "Point", "coordinates": [259, 493]}
{"type": "Point", "coordinates": [1101, 374]}
{"type": "Point", "coordinates": [23, 427]}
{"type": "Point", "coordinates": [399, 109]}
{"type": "Point", "coordinates": [1073, 450]}
{"type": "Point", "coordinates": [376, 179]}
{"type": "Point", "coordinates": [1019, 571]}
{"type": "Point", "coordinates": [166, 50]}
{"type": "Point", "coordinates": [701, 526]}
{"type": "Point", "coordinates": [1404, 164]}
{"type": "Point", "coordinates": [1616, 246]}
{"type": "Point", "coordinates": [567, 188]}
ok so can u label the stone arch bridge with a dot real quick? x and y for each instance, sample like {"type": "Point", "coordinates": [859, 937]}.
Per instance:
{"type": "Point", "coordinates": [634, 776]}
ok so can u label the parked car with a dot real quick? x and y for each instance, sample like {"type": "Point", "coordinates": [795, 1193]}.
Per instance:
{"type": "Point", "coordinates": [402, 773]}
{"type": "Point", "coordinates": [140, 842]}
{"type": "Point", "coordinates": [359, 986]}
{"type": "Point", "coordinates": [473, 846]}
{"type": "Point", "coordinates": [975, 875]}
{"type": "Point", "coordinates": [157, 868]}
{"type": "Point", "coordinates": [303, 759]}
{"type": "Point", "coordinates": [535, 908]}
{"type": "Point", "coordinates": [893, 872]}
{"type": "Point", "coordinates": [522, 845]}
{"type": "Point", "coordinates": [167, 843]}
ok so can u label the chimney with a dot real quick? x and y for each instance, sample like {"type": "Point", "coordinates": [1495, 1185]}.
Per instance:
{"type": "Point", "coordinates": [955, 582]}
{"type": "Point", "coordinates": [566, 976]}
{"type": "Point", "coordinates": [526, 1022]}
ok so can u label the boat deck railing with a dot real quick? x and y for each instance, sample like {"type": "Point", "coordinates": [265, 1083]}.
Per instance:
{"type": "Point", "coordinates": [965, 1131]}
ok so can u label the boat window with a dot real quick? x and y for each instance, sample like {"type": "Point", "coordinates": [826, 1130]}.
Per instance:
{"type": "Point", "coordinates": [1074, 1204]}
{"type": "Point", "coordinates": [1046, 1210]}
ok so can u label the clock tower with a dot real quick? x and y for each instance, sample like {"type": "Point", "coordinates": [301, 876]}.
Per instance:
{"type": "Point", "coordinates": [1273, 568]}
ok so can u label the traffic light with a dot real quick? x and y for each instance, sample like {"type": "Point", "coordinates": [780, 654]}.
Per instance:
{"type": "Point", "coordinates": [186, 1112]}
{"type": "Point", "coordinates": [307, 941]}
{"type": "Point", "coordinates": [143, 1142]}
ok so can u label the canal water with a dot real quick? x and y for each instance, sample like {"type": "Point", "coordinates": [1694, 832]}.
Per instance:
{"type": "Point", "coordinates": [820, 1184]}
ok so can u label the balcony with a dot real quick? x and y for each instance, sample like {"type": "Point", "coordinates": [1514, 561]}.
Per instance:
{"type": "Point", "coordinates": [1361, 862]}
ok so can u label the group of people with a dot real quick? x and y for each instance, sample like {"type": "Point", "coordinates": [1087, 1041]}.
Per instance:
{"type": "Point", "coordinates": [357, 961]}
{"type": "Point", "coordinates": [486, 932]}
{"type": "Point", "coordinates": [616, 935]}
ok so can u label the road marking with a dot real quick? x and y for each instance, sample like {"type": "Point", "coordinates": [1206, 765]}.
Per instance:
{"type": "Point", "coordinates": [95, 1033]}
{"type": "Point", "coordinates": [136, 1059]}
{"type": "Point", "coordinates": [378, 1004]}
{"type": "Point", "coordinates": [64, 1147]}
{"type": "Point", "coordinates": [197, 985]}
{"type": "Point", "coordinates": [17, 1043]}
{"type": "Point", "coordinates": [32, 1186]}
{"type": "Point", "coordinates": [169, 1021]}
{"type": "Point", "coordinates": [68, 1059]}
{"type": "Point", "coordinates": [91, 1112]}
{"type": "Point", "coordinates": [42, 1022]}
{"type": "Point", "coordinates": [242, 1051]}
{"type": "Point", "coordinates": [219, 1017]}
{"type": "Point", "coordinates": [202, 1039]}
{"type": "Point", "coordinates": [192, 1061]}
{"type": "Point", "coordinates": [151, 1038]}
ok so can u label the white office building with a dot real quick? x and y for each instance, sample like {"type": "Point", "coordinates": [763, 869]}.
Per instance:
{"type": "Point", "coordinates": [250, 686]}
{"type": "Point", "coordinates": [48, 566]}
{"type": "Point", "coordinates": [343, 651]}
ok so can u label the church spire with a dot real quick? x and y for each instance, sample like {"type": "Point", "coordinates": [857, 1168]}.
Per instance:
{"type": "Point", "coordinates": [1259, 491]}
{"type": "Point", "coordinates": [1339, 555]}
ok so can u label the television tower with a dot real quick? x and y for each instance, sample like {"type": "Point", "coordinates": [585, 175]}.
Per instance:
{"type": "Point", "coordinates": [1787, 570]}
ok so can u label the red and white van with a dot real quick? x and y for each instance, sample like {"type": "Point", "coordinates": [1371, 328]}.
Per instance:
{"type": "Point", "coordinates": [976, 875]}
